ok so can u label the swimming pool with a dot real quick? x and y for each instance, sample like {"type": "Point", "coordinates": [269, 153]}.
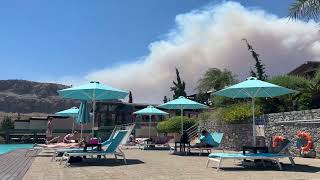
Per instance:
{"type": "Point", "coordinates": [4, 148]}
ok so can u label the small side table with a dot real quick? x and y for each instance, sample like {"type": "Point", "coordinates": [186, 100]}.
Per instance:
{"type": "Point", "coordinates": [99, 148]}
{"type": "Point", "coordinates": [254, 149]}
{"type": "Point", "coordinates": [182, 146]}
{"type": "Point", "coordinates": [148, 143]}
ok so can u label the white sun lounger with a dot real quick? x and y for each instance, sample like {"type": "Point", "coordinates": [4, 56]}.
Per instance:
{"type": "Point", "coordinates": [112, 149]}
{"type": "Point", "coordinates": [219, 157]}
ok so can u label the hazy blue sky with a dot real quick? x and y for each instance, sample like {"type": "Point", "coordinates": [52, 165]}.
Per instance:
{"type": "Point", "coordinates": [45, 39]}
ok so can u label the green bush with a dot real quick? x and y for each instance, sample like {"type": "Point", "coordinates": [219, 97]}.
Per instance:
{"type": "Point", "coordinates": [7, 123]}
{"type": "Point", "coordinates": [213, 116]}
{"type": "Point", "coordinates": [173, 125]}
{"type": "Point", "coordinates": [239, 113]}
{"type": "Point", "coordinates": [290, 102]}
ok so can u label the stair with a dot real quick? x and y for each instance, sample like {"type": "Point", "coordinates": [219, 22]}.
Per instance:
{"type": "Point", "coordinates": [193, 131]}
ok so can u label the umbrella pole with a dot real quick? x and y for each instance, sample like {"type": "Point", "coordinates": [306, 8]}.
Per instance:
{"type": "Point", "coordinates": [181, 121]}
{"type": "Point", "coordinates": [72, 124]}
{"type": "Point", "coordinates": [81, 130]}
{"type": "Point", "coordinates": [149, 125]}
{"type": "Point", "coordinates": [94, 110]}
{"type": "Point", "coordinates": [253, 123]}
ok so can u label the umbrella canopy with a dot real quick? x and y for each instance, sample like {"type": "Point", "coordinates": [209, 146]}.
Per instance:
{"type": "Point", "coordinates": [182, 103]}
{"type": "Point", "coordinates": [150, 110]}
{"type": "Point", "coordinates": [69, 112]}
{"type": "Point", "coordinates": [84, 114]}
{"type": "Point", "coordinates": [73, 112]}
{"type": "Point", "coordinates": [93, 91]}
{"type": "Point", "coordinates": [253, 88]}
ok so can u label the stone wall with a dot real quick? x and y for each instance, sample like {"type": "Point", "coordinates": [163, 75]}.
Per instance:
{"type": "Point", "coordinates": [289, 123]}
{"type": "Point", "coordinates": [235, 135]}
{"type": "Point", "coordinates": [286, 123]}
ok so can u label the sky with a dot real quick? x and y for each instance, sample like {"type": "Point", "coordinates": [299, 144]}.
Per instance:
{"type": "Point", "coordinates": [135, 45]}
{"type": "Point", "coordinates": [42, 38]}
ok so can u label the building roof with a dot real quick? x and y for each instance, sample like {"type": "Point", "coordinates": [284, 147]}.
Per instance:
{"type": "Point", "coordinates": [305, 68]}
{"type": "Point", "coordinates": [45, 118]}
{"type": "Point", "coordinates": [125, 103]}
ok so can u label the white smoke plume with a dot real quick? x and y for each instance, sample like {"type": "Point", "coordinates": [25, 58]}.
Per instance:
{"type": "Point", "coordinates": [211, 37]}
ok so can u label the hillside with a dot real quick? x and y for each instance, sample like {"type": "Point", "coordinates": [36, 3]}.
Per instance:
{"type": "Point", "coordinates": [28, 97]}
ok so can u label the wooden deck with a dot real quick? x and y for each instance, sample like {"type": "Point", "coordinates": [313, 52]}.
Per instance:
{"type": "Point", "coordinates": [15, 164]}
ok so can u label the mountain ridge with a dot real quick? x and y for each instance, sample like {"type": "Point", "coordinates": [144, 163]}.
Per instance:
{"type": "Point", "coordinates": [26, 96]}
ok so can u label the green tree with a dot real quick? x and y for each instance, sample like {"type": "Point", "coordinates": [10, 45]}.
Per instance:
{"type": "Point", "coordinates": [202, 97]}
{"type": "Point", "coordinates": [130, 97]}
{"type": "Point", "coordinates": [216, 79]}
{"type": "Point", "coordinates": [7, 123]}
{"type": "Point", "coordinates": [165, 99]}
{"type": "Point", "coordinates": [260, 69]}
{"type": "Point", "coordinates": [313, 90]}
{"type": "Point", "coordinates": [179, 87]}
{"type": "Point", "coordinates": [305, 9]}
{"type": "Point", "coordinates": [290, 102]}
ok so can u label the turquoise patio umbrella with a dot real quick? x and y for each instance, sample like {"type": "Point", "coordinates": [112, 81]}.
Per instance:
{"type": "Point", "coordinates": [93, 91]}
{"type": "Point", "coordinates": [150, 110]}
{"type": "Point", "coordinates": [254, 88]}
{"type": "Point", "coordinates": [72, 112]}
{"type": "Point", "coordinates": [182, 103]}
{"type": "Point", "coordinates": [83, 116]}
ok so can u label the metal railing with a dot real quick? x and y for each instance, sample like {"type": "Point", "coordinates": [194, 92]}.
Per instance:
{"type": "Point", "coordinates": [192, 131]}
{"type": "Point", "coordinates": [38, 135]}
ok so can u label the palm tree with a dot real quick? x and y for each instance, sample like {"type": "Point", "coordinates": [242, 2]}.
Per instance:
{"type": "Point", "coordinates": [305, 9]}
{"type": "Point", "coordinates": [216, 79]}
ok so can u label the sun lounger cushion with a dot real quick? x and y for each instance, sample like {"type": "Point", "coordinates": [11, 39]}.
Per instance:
{"type": "Point", "coordinates": [240, 156]}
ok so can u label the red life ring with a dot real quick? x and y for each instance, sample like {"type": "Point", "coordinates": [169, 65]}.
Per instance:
{"type": "Point", "coordinates": [308, 138]}
{"type": "Point", "coordinates": [276, 140]}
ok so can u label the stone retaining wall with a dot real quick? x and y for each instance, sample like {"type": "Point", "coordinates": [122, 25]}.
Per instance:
{"type": "Point", "coordinates": [289, 123]}
{"type": "Point", "coordinates": [286, 123]}
{"type": "Point", "coordinates": [235, 135]}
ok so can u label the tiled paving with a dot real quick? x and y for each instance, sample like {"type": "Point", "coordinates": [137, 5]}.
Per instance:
{"type": "Point", "coordinates": [149, 165]}
{"type": "Point", "coordinates": [15, 164]}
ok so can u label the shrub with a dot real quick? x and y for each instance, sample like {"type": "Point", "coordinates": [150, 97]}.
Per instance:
{"type": "Point", "coordinates": [288, 102]}
{"type": "Point", "coordinates": [239, 113]}
{"type": "Point", "coordinates": [173, 125]}
{"type": "Point", "coordinates": [7, 123]}
{"type": "Point", "coordinates": [213, 116]}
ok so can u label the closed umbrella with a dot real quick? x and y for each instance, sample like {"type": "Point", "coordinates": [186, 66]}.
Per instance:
{"type": "Point", "coordinates": [83, 116]}
{"type": "Point", "coordinates": [182, 103]}
{"type": "Point", "coordinates": [150, 110]}
{"type": "Point", "coordinates": [93, 91]}
{"type": "Point", "coordinates": [254, 88]}
{"type": "Point", "coordinates": [72, 112]}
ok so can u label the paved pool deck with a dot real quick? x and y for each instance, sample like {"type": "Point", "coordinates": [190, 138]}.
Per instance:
{"type": "Point", "coordinates": [149, 165]}
{"type": "Point", "coordinates": [15, 164]}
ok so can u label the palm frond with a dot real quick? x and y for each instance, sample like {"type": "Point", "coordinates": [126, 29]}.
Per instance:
{"type": "Point", "coordinates": [306, 9]}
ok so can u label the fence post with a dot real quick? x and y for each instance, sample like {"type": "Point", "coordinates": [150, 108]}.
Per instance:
{"type": "Point", "coordinates": [35, 137]}
{"type": "Point", "coordinates": [7, 136]}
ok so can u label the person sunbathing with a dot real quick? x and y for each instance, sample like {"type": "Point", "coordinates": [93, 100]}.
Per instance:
{"type": "Point", "coordinates": [62, 145]}
{"type": "Point", "coordinates": [206, 140]}
{"type": "Point", "coordinates": [69, 138]}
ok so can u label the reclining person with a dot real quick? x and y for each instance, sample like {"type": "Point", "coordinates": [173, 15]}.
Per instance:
{"type": "Point", "coordinates": [69, 138]}
{"type": "Point", "coordinates": [206, 140]}
{"type": "Point", "coordinates": [62, 145]}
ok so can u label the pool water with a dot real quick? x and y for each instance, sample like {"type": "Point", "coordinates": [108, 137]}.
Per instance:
{"type": "Point", "coordinates": [4, 148]}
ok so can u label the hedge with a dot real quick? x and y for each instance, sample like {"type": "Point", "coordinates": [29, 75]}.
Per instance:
{"type": "Point", "coordinates": [173, 125]}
